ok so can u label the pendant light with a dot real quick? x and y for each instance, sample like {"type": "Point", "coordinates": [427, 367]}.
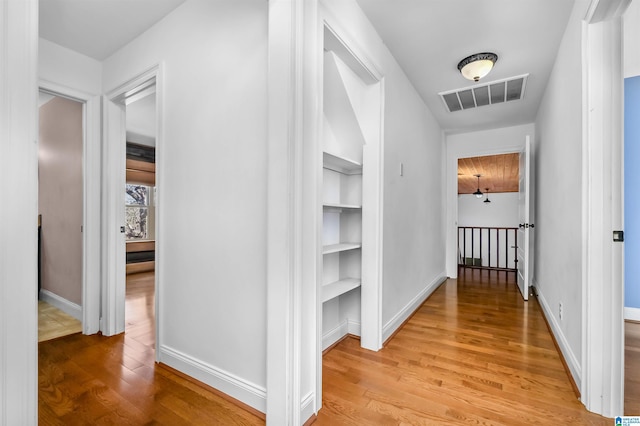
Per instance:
{"type": "Point", "coordinates": [478, 193]}
{"type": "Point", "coordinates": [478, 65]}
{"type": "Point", "coordinates": [487, 200]}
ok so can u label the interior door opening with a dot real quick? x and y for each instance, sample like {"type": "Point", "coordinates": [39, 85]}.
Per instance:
{"type": "Point", "coordinates": [60, 216]}
{"type": "Point", "coordinates": [488, 213]}
{"type": "Point", "coordinates": [140, 215]}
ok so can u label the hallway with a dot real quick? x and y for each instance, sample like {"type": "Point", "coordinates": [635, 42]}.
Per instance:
{"type": "Point", "coordinates": [474, 352]}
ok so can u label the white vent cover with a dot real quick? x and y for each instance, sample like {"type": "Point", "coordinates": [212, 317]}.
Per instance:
{"type": "Point", "coordinates": [495, 92]}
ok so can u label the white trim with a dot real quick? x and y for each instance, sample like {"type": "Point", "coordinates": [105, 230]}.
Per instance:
{"type": "Point", "coordinates": [113, 173]}
{"type": "Point", "coordinates": [632, 314]}
{"type": "Point", "coordinates": [602, 387]}
{"type": "Point", "coordinates": [61, 303]}
{"type": "Point", "coordinates": [291, 205]}
{"type": "Point", "coordinates": [563, 343]}
{"type": "Point", "coordinates": [398, 319]}
{"type": "Point", "coordinates": [19, 184]}
{"type": "Point", "coordinates": [307, 406]}
{"type": "Point", "coordinates": [91, 168]}
{"type": "Point", "coordinates": [341, 330]}
{"type": "Point", "coordinates": [354, 327]}
{"type": "Point", "coordinates": [243, 390]}
{"type": "Point", "coordinates": [332, 336]}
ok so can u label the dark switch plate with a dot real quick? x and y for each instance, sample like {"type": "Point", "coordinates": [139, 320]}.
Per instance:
{"type": "Point", "coordinates": [618, 236]}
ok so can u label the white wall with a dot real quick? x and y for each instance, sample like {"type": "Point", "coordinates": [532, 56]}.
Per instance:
{"type": "Point", "coordinates": [474, 144]}
{"type": "Point", "coordinates": [413, 237]}
{"type": "Point", "coordinates": [631, 23]}
{"type": "Point", "coordinates": [71, 69]}
{"type": "Point", "coordinates": [212, 197]}
{"type": "Point", "coordinates": [502, 211]}
{"type": "Point", "coordinates": [558, 201]}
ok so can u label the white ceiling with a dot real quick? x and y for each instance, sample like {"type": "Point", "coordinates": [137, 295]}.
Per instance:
{"type": "Point", "coordinates": [429, 37]}
{"type": "Point", "coordinates": [98, 28]}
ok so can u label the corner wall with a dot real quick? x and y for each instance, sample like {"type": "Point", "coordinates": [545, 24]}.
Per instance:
{"type": "Point", "coordinates": [212, 173]}
{"type": "Point", "coordinates": [558, 199]}
{"type": "Point", "coordinates": [64, 67]}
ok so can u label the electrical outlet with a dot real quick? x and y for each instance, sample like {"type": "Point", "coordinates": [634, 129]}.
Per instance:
{"type": "Point", "coordinates": [560, 310]}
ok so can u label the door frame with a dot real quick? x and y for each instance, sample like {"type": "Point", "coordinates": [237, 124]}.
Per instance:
{"type": "Point", "coordinates": [526, 222]}
{"type": "Point", "coordinates": [91, 158]}
{"type": "Point", "coordinates": [113, 165]}
{"type": "Point", "coordinates": [451, 216]}
{"type": "Point", "coordinates": [602, 382]}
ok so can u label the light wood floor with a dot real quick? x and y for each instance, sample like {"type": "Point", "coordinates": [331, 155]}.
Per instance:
{"type": "Point", "coordinates": [632, 369]}
{"type": "Point", "coordinates": [473, 353]}
{"type": "Point", "coordinates": [114, 380]}
{"type": "Point", "coordinates": [54, 323]}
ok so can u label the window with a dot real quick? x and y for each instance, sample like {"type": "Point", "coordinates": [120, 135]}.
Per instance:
{"type": "Point", "coordinates": [137, 201]}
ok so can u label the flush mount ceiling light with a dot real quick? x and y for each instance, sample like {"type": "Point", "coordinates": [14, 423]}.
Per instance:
{"type": "Point", "coordinates": [478, 65]}
{"type": "Point", "coordinates": [478, 193]}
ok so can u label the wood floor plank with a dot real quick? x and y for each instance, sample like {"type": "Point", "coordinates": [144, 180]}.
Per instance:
{"type": "Point", "coordinates": [474, 353]}
{"type": "Point", "coordinates": [632, 369]}
{"type": "Point", "coordinates": [115, 381]}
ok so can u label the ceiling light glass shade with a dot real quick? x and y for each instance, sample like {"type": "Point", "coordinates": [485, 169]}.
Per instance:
{"type": "Point", "coordinates": [476, 66]}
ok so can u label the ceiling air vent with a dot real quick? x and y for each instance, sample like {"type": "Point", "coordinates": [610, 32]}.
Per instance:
{"type": "Point", "coordinates": [495, 92]}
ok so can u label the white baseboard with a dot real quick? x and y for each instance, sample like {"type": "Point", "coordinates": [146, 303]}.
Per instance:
{"type": "Point", "coordinates": [332, 336]}
{"type": "Point", "coordinates": [632, 314]}
{"type": "Point", "coordinates": [244, 391]}
{"type": "Point", "coordinates": [353, 327]}
{"type": "Point", "coordinates": [345, 327]}
{"type": "Point", "coordinates": [306, 407]}
{"type": "Point", "coordinates": [563, 343]}
{"type": "Point", "coordinates": [61, 303]}
{"type": "Point", "coordinates": [398, 319]}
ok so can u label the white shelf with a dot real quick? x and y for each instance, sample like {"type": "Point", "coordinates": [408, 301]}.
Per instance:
{"type": "Point", "coordinates": [339, 207]}
{"type": "Point", "coordinates": [335, 289]}
{"type": "Point", "coordinates": [336, 248]}
{"type": "Point", "coordinates": [341, 164]}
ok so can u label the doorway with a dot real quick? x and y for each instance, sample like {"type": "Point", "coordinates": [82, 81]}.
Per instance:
{"type": "Point", "coordinates": [122, 121]}
{"type": "Point", "coordinates": [140, 214]}
{"type": "Point", "coordinates": [60, 216]}
{"type": "Point", "coordinates": [488, 212]}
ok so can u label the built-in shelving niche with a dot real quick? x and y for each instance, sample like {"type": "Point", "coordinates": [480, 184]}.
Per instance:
{"type": "Point", "coordinates": [347, 116]}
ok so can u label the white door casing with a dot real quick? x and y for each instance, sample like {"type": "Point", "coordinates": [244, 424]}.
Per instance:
{"type": "Point", "coordinates": [114, 178]}
{"type": "Point", "coordinates": [18, 212]}
{"type": "Point", "coordinates": [91, 201]}
{"type": "Point", "coordinates": [525, 227]}
{"type": "Point", "coordinates": [113, 240]}
{"type": "Point", "coordinates": [602, 382]}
